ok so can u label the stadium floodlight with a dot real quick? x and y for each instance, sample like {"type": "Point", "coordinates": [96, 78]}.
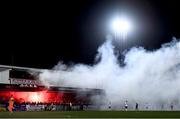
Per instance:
{"type": "Point", "coordinates": [121, 26]}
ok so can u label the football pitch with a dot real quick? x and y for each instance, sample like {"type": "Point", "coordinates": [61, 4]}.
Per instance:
{"type": "Point", "coordinates": [92, 114]}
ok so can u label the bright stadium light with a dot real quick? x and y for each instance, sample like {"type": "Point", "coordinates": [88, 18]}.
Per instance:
{"type": "Point", "coordinates": [121, 26]}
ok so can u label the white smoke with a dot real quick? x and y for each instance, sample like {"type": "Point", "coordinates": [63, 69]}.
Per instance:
{"type": "Point", "coordinates": [148, 76]}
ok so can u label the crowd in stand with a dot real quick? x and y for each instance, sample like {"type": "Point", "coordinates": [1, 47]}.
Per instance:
{"type": "Point", "coordinates": [39, 106]}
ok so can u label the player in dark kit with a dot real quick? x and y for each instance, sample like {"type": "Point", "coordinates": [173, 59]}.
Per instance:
{"type": "Point", "coordinates": [171, 106]}
{"type": "Point", "coordinates": [137, 106]}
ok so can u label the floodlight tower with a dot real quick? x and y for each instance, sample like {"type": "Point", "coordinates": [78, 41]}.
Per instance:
{"type": "Point", "coordinates": [120, 27]}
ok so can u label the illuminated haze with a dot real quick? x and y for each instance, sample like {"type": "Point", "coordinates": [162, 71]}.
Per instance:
{"type": "Point", "coordinates": [148, 77]}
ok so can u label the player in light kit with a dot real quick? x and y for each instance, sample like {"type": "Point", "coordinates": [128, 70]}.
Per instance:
{"type": "Point", "coordinates": [109, 105]}
{"type": "Point", "coordinates": [126, 105]}
{"type": "Point", "coordinates": [11, 104]}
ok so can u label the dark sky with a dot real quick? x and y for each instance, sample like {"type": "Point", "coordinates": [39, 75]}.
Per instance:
{"type": "Point", "coordinates": [41, 34]}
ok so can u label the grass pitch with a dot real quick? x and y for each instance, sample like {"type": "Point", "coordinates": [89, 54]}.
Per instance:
{"type": "Point", "coordinates": [92, 114]}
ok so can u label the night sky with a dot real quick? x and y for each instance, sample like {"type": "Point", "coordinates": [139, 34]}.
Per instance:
{"type": "Point", "coordinates": [41, 34]}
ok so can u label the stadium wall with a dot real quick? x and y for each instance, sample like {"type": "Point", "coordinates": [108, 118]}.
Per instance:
{"type": "Point", "coordinates": [4, 76]}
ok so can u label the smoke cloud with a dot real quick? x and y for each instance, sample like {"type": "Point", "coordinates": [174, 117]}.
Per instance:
{"type": "Point", "coordinates": [148, 77]}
